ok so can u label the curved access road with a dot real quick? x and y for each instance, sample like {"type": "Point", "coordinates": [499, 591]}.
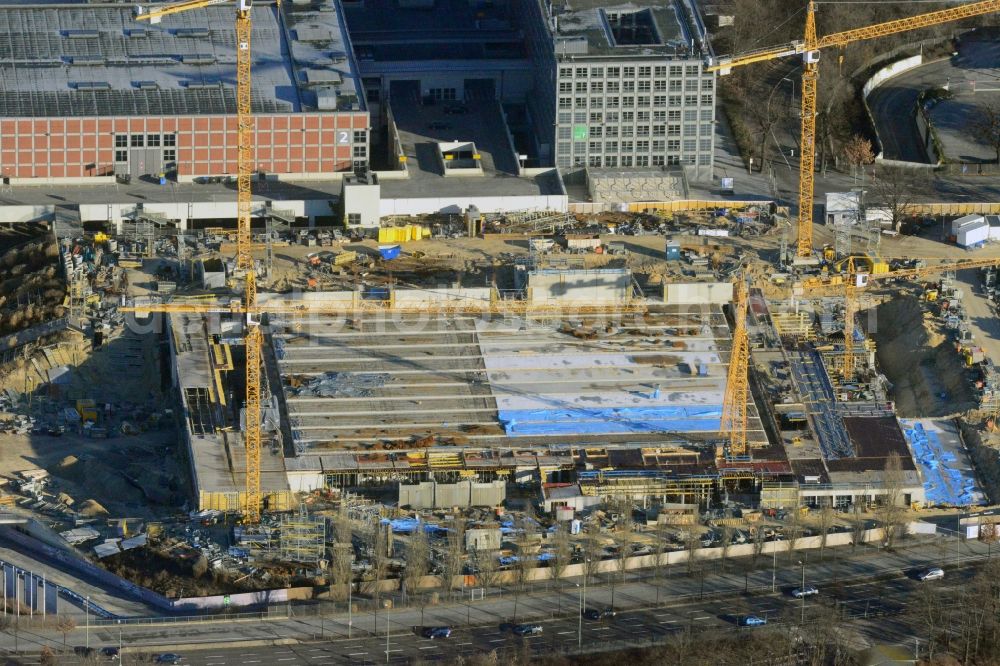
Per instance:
{"type": "Point", "coordinates": [893, 103]}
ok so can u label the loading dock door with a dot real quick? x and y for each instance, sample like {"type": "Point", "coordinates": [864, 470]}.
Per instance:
{"type": "Point", "coordinates": [404, 92]}
{"type": "Point", "coordinates": [145, 161]}
{"type": "Point", "coordinates": [480, 90]}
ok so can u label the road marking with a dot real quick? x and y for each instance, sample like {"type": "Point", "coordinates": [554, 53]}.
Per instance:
{"type": "Point", "coordinates": [287, 659]}
{"type": "Point", "coordinates": [429, 647]}
{"type": "Point", "coordinates": [469, 643]}
{"type": "Point", "coordinates": [355, 654]}
{"type": "Point", "coordinates": [662, 614]}
{"type": "Point", "coordinates": [252, 661]}
{"type": "Point", "coordinates": [668, 621]}
{"type": "Point", "coordinates": [602, 628]}
{"type": "Point", "coordinates": [703, 617]}
{"type": "Point", "coordinates": [214, 663]}
{"type": "Point", "coordinates": [565, 632]}
{"type": "Point", "coordinates": [497, 640]}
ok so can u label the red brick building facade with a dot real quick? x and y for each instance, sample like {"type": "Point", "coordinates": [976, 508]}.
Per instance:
{"type": "Point", "coordinates": [303, 144]}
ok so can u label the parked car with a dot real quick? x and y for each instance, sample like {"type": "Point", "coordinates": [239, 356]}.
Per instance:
{"type": "Point", "coordinates": [596, 614]}
{"type": "Point", "coordinates": [527, 629]}
{"type": "Point", "coordinates": [110, 652]}
{"type": "Point", "coordinates": [807, 591]}
{"type": "Point", "coordinates": [753, 621]}
{"type": "Point", "coordinates": [437, 632]}
{"type": "Point", "coordinates": [456, 108]}
{"type": "Point", "coordinates": [934, 573]}
{"type": "Point", "coordinates": [82, 651]}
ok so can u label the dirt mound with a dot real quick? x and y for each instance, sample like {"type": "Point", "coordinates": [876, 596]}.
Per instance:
{"type": "Point", "coordinates": [70, 468]}
{"type": "Point", "coordinates": [920, 360]}
{"type": "Point", "coordinates": [92, 508]}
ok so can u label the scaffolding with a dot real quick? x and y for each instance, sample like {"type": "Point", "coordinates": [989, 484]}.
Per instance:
{"type": "Point", "coordinates": [795, 325]}
{"type": "Point", "coordinates": [141, 229]}
{"type": "Point", "coordinates": [637, 483]}
{"type": "Point", "coordinates": [302, 538]}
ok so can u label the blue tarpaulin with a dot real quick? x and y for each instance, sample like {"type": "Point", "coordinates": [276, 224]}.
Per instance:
{"type": "Point", "coordinates": [943, 483]}
{"type": "Point", "coordinates": [610, 421]}
{"type": "Point", "coordinates": [409, 525]}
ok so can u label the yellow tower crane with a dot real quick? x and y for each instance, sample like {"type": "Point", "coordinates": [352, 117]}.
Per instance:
{"type": "Point", "coordinates": [244, 259]}
{"type": "Point", "coordinates": [855, 283]}
{"type": "Point", "coordinates": [809, 48]}
{"type": "Point", "coordinates": [734, 406]}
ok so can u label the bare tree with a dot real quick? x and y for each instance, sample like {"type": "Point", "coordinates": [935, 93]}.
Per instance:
{"type": "Point", "coordinates": [890, 511]}
{"type": "Point", "coordinates": [64, 625]}
{"type": "Point", "coordinates": [825, 523]}
{"type": "Point", "coordinates": [692, 541]}
{"type": "Point", "coordinates": [858, 152]}
{"type": "Point", "coordinates": [623, 540]}
{"type": "Point", "coordinates": [454, 555]}
{"type": "Point", "coordinates": [857, 524]}
{"type": "Point", "coordinates": [490, 574]}
{"type": "Point", "coordinates": [727, 540]}
{"type": "Point", "coordinates": [527, 562]}
{"type": "Point", "coordinates": [758, 543]}
{"type": "Point", "coordinates": [418, 555]}
{"type": "Point", "coordinates": [593, 550]}
{"type": "Point", "coordinates": [562, 555]}
{"type": "Point", "coordinates": [660, 553]}
{"type": "Point", "coordinates": [340, 569]}
{"type": "Point", "coordinates": [894, 189]}
{"type": "Point", "coordinates": [378, 539]}
{"type": "Point", "coordinates": [985, 126]}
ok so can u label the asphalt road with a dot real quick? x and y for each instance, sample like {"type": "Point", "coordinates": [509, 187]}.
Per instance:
{"type": "Point", "coordinates": [859, 601]}
{"type": "Point", "coordinates": [893, 102]}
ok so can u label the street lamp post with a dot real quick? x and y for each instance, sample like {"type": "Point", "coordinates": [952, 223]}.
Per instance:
{"type": "Point", "coordinates": [87, 612]}
{"type": "Point", "coordinates": [579, 621]}
{"type": "Point", "coordinates": [387, 609]}
{"type": "Point", "coordinates": [774, 567]}
{"type": "Point", "coordinates": [350, 606]}
{"type": "Point", "coordinates": [802, 591]}
{"type": "Point", "coordinates": [792, 81]}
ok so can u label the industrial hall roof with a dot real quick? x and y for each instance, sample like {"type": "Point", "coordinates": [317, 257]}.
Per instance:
{"type": "Point", "coordinates": [97, 60]}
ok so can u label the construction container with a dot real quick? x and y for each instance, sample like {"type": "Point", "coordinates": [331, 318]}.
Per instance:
{"type": "Point", "coordinates": [389, 251]}
{"type": "Point", "coordinates": [673, 251]}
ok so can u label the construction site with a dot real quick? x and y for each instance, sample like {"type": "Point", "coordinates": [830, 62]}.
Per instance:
{"type": "Point", "coordinates": [206, 404]}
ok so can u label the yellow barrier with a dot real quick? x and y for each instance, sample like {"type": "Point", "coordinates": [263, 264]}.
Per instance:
{"type": "Point", "coordinates": [690, 204]}
{"type": "Point", "coordinates": [956, 209]}
{"type": "Point", "coordinates": [410, 232]}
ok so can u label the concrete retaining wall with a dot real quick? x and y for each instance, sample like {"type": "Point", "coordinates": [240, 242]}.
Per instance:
{"type": "Point", "coordinates": [714, 293]}
{"type": "Point", "coordinates": [877, 79]}
{"type": "Point", "coordinates": [426, 206]}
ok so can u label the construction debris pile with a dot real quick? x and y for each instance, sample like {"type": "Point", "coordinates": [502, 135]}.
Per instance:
{"type": "Point", "coordinates": [337, 384]}
{"type": "Point", "coordinates": [31, 289]}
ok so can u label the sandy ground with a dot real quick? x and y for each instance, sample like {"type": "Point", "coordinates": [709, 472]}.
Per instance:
{"type": "Point", "coordinates": [920, 360]}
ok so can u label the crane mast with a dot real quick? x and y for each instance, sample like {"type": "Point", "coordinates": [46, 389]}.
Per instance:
{"type": "Point", "coordinates": [734, 406]}
{"type": "Point", "coordinates": [810, 48]}
{"type": "Point", "coordinates": [245, 267]}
